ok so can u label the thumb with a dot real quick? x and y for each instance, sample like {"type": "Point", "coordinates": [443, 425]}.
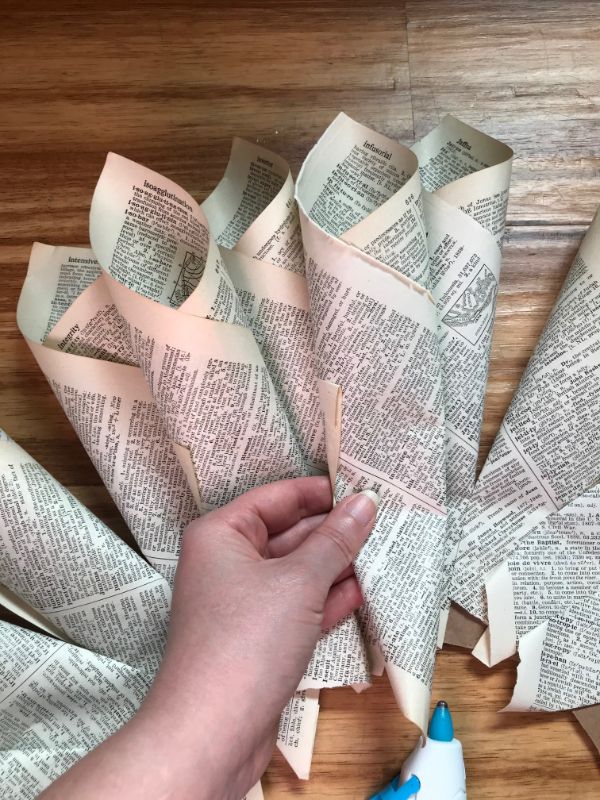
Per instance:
{"type": "Point", "coordinates": [332, 546]}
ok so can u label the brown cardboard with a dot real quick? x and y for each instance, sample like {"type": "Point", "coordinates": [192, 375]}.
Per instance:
{"type": "Point", "coordinates": [462, 629]}
{"type": "Point", "coordinates": [589, 719]}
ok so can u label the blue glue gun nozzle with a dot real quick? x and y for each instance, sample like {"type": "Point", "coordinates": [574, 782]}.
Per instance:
{"type": "Point", "coordinates": [441, 728]}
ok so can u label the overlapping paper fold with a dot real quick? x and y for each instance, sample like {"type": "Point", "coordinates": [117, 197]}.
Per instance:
{"type": "Point", "coordinates": [529, 562]}
{"type": "Point", "coordinates": [202, 350]}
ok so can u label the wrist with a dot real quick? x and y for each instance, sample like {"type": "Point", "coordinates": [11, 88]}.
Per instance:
{"type": "Point", "coordinates": [202, 729]}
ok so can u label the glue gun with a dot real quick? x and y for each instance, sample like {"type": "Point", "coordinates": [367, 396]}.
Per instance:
{"type": "Point", "coordinates": [434, 771]}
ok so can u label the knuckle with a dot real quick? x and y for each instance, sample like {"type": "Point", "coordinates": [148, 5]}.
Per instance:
{"type": "Point", "coordinates": [340, 537]}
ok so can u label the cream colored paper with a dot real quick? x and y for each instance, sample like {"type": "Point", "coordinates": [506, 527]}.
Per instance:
{"type": "Point", "coordinates": [193, 344]}
{"type": "Point", "coordinates": [59, 702]}
{"type": "Point", "coordinates": [252, 209]}
{"type": "Point", "coordinates": [99, 593]}
{"type": "Point", "coordinates": [297, 730]}
{"type": "Point", "coordinates": [348, 289]}
{"type": "Point", "coordinates": [552, 579]}
{"type": "Point", "coordinates": [275, 304]}
{"type": "Point", "coordinates": [547, 451]}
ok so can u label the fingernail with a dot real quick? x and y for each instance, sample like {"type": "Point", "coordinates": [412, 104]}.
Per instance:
{"type": "Point", "coordinates": [363, 506]}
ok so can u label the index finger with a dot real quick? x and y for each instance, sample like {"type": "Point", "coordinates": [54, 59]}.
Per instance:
{"type": "Point", "coordinates": [283, 503]}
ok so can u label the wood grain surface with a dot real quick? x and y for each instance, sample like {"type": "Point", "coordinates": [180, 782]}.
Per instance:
{"type": "Point", "coordinates": [169, 85]}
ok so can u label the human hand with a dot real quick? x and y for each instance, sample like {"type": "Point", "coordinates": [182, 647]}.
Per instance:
{"type": "Point", "coordinates": [257, 582]}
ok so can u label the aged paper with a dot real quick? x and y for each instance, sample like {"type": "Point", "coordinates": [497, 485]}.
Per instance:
{"type": "Point", "coordinates": [371, 322]}
{"type": "Point", "coordinates": [547, 451]}
{"type": "Point", "coordinates": [533, 542]}
{"type": "Point", "coordinates": [253, 210]}
{"type": "Point", "coordinates": [364, 189]}
{"type": "Point", "coordinates": [57, 702]}
{"type": "Point", "coordinates": [275, 304]}
{"type": "Point", "coordinates": [108, 403]}
{"type": "Point", "coordinates": [218, 351]}
{"type": "Point", "coordinates": [101, 594]}
{"type": "Point", "coordinates": [260, 340]}
{"type": "Point", "coordinates": [465, 175]}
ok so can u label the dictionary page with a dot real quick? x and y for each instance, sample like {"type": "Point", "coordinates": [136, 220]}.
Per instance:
{"type": "Point", "coordinates": [57, 702]}
{"type": "Point", "coordinates": [357, 184]}
{"type": "Point", "coordinates": [275, 304]}
{"type": "Point", "coordinates": [466, 176]}
{"type": "Point", "coordinates": [101, 594]}
{"type": "Point", "coordinates": [555, 567]}
{"type": "Point", "coordinates": [468, 170]}
{"type": "Point", "coordinates": [203, 366]}
{"type": "Point", "coordinates": [238, 436]}
{"type": "Point", "coordinates": [559, 663]}
{"type": "Point", "coordinates": [375, 333]}
{"type": "Point", "coordinates": [261, 265]}
{"type": "Point", "coordinates": [108, 404]}
{"type": "Point", "coordinates": [547, 450]}
{"type": "Point", "coordinates": [253, 214]}
{"type": "Point", "coordinates": [365, 188]}
{"type": "Point", "coordinates": [215, 394]}
{"type": "Point", "coordinates": [443, 244]}
{"type": "Point", "coordinates": [252, 209]}
{"type": "Point", "coordinates": [195, 351]}
{"type": "Point", "coordinates": [152, 236]}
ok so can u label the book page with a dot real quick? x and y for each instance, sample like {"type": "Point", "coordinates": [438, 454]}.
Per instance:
{"type": "Point", "coordinates": [468, 170]}
{"type": "Point", "coordinates": [101, 594]}
{"type": "Point", "coordinates": [365, 188]}
{"type": "Point", "coordinates": [559, 664]}
{"type": "Point", "coordinates": [215, 394]}
{"type": "Point", "coordinates": [547, 450]}
{"type": "Point", "coordinates": [152, 236]}
{"type": "Point", "coordinates": [466, 174]}
{"type": "Point", "coordinates": [545, 595]}
{"type": "Point", "coordinates": [275, 304]}
{"type": "Point", "coordinates": [297, 730]}
{"type": "Point", "coordinates": [442, 244]}
{"type": "Point", "coordinates": [371, 323]}
{"type": "Point", "coordinates": [111, 409]}
{"type": "Point", "coordinates": [57, 702]}
{"type": "Point", "coordinates": [88, 323]}
{"type": "Point", "coordinates": [252, 209]}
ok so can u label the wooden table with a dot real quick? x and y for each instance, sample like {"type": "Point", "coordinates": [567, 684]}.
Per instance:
{"type": "Point", "coordinates": [169, 85]}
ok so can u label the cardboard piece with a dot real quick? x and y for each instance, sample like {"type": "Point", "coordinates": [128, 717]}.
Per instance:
{"type": "Point", "coordinates": [463, 630]}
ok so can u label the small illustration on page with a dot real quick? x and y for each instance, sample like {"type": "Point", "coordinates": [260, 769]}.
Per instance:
{"type": "Point", "coordinates": [188, 278]}
{"type": "Point", "coordinates": [471, 314]}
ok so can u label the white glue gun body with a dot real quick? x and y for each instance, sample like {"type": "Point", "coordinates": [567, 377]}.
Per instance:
{"type": "Point", "coordinates": [435, 771]}
{"type": "Point", "coordinates": [440, 768]}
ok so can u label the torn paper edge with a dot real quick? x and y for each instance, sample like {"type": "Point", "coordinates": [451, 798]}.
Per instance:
{"type": "Point", "coordinates": [531, 646]}
{"type": "Point", "coordinates": [187, 464]}
{"type": "Point", "coordinates": [331, 398]}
